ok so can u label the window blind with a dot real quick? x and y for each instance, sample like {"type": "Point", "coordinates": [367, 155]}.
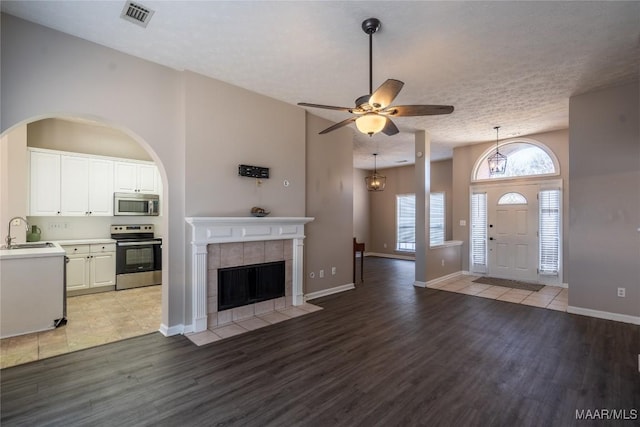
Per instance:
{"type": "Point", "coordinates": [406, 222]}
{"type": "Point", "coordinates": [479, 232]}
{"type": "Point", "coordinates": [436, 219]}
{"type": "Point", "coordinates": [549, 232]}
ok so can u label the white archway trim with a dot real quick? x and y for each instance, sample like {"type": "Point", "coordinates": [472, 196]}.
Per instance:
{"type": "Point", "coordinates": [486, 153]}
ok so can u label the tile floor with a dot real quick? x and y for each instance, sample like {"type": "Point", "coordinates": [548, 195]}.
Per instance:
{"type": "Point", "coordinates": [92, 320]}
{"type": "Point", "coordinates": [251, 323]}
{"type": "Point", "coordinates": [550, 297]}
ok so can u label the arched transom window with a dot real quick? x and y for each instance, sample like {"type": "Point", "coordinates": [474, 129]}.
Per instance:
{"type": "Point", "coordinates": [512, 199]}
{"type": "Point", "coordinates": [523, 159]}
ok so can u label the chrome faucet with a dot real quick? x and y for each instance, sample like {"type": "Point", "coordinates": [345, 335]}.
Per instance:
{"type": "Point", "coordinates": [9, 239]}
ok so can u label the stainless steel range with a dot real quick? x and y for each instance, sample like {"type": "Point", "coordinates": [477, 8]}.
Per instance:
{"type": "Point", "coordinates": [138, 256]}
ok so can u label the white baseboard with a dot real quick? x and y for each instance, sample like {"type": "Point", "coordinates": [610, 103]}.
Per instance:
{"type": "Point", "coordinates": [174, 330]}
{"type": "Point", "coordinates": [635, 320]}
{"type": "Point", "coordinates": [443, 278]}
{"type": "Point", "coordinates": [419, 284]}
{"type": "Point", "coordinates": [330, 291]}
{"type": "Point", "coordinates": [394, 256]}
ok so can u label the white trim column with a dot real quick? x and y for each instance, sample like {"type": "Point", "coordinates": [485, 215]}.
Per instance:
{"type": "Point", "coordinates": [199, 287]}
{"type": "Point", "coordinates": [298, 275]}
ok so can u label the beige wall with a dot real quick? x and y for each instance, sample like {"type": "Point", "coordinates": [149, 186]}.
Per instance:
{"type": "Point", "coordinates": [329, 241]}
{"type": "Point", "coordinates": [604, 237]}
{"type": "Point", "coordinates": [227, 126]}
{"type": "Point", "coordinates": [87, 138]}
{"type": "Point", "coordinates": [464, 159]}
{"type": "Point", "coordinates": [13, 182]}
{"type": "Point", "coordinates": [400, 180]}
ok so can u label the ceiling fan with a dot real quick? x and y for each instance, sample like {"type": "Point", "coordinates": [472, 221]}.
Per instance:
{"type": "Point", "coordinates": [373, 111]}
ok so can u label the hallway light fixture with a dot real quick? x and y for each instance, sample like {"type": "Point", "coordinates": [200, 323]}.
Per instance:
{"type": "Point", "coordinates": [375, 182]}
{"type": "Point", "coordinates": [497, 161]}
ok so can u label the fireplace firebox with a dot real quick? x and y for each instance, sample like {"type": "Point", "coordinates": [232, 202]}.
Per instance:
{"type": "Point", "coordinates": [249, 284]}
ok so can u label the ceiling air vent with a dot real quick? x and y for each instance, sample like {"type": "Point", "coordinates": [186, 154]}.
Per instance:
{"type": "Point", "coordinates": [136, 13]}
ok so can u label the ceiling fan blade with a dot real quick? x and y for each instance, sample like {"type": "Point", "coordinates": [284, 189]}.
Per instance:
{"type": "Point", "coordinates": [419, 110]}
{"type": "Point", "coordinates": [390, 128]}
{"type": "Point", "coordinates": [326, 107]}
{"type": "Point", "coordinates": [385, 94]}
{"type": "Point", "coordinates": [338, 125]}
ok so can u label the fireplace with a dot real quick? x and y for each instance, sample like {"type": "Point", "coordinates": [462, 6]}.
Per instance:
{"type": "Point", "coordinates": [249, 284]}
{"type": "Point", "coordinates": [224, 242]}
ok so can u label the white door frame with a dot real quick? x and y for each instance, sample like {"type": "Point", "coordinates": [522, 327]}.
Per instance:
{"type": "Point", "coordinates": [543, 184]}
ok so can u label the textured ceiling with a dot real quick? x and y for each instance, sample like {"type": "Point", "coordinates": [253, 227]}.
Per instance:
{"type": "Point", "coordinates": [513, 64]}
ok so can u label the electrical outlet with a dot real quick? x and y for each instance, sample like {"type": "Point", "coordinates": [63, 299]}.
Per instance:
{"type": "Point", "coordinates": [385, 246]}
{"type": "Point", "coordinates": [333, 271]}
{"type": "Point", "coordinates": [622, 292]}
{"type": "Point", "coordinates": [321, 275]}
{"type": "Point", "coordinates": [15, 222]}
{"type": "Point", "coordinates": [56, 225]}
{"type": "Point", "coordinates": [442, 262]}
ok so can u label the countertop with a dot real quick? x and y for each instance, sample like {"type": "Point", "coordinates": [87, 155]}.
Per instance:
{"type": "Point", "coordinates": [56, 250]}
{"type": "Point", "coordinates": [84, 242]}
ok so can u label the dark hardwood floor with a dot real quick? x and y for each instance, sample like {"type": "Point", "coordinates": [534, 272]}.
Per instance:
{"type": "Point", "coordinates": [383, 354]}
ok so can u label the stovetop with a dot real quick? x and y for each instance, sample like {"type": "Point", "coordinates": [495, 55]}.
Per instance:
{"type": "Point", "coordinates": [132, 231]}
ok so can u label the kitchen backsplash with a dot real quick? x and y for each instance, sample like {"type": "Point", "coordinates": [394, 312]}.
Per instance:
{"type": "Point", "coordinates": [95, 227]}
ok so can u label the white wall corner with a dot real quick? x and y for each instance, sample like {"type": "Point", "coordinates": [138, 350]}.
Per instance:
{"type": "Point", "coordinates": [419, 284]}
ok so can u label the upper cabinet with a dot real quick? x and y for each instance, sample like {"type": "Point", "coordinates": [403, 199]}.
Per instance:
{"type": "Point", "coordinates": [44, 174]}
{"type": "Point", "coordinates": [136, 177]}
{"type": "Point", "coordinates": [66, 184]}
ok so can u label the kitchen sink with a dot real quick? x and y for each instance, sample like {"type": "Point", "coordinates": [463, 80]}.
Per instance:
{"type": "Point", "coordinates": [38, 245]}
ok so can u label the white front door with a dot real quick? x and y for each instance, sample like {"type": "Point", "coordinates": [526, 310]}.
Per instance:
{"type": "Point", "coordinates": [512, 221]}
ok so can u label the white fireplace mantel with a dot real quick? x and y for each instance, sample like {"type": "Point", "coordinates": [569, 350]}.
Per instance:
{"type": "Point", "coordinates": [211, 230]}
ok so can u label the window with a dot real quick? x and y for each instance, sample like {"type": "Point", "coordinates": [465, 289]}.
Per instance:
{"type": "Point", "coordinates": [479, 232]}
{"type": "Point", "coordinates": [549, 218]}
{"type": "Point", "coordinates": [406, 221]}
{"type": "Point", "coordinates": [523, 159]}
{"type": "Point", "coordinates": [436, 219]}
{"type": "Point", "coordinates": [512, 199]}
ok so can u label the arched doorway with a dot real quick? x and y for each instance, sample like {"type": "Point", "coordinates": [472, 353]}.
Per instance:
{"type": "Point", "coordinates": [516, 217]}
{"type": "Point", "coordinates": [131, 147]}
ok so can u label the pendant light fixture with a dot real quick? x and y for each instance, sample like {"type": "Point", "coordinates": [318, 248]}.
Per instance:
{"type": "Point", "coordinates": [375, 182]}
{"type": "Point", "coordinates": [497, 161]}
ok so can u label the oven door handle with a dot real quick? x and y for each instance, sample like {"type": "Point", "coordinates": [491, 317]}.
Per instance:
{"type": "Point", "coordinates": [151, 242]}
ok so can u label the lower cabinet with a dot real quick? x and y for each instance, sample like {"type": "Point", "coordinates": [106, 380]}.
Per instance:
{"type": "Point", "coordinates": [90, 266]}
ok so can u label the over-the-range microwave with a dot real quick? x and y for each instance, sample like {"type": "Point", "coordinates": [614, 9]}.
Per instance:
{"type": "Point", "coordinates": [136, 204]}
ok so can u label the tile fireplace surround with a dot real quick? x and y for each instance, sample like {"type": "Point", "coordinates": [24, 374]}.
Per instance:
{"type": "Point", "coordinates": [244, 233]}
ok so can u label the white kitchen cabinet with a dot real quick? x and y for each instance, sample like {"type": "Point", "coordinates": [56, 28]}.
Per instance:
{"type": "Point", "coordinates": [131, 177]}
{"type": "Point", "coordinates": [90, 266]}
{"type": "Point", "coordinates": [44, 181]}
{"type": "Point", "coordinates": [86, 186]}
{"type": "Point", "coordinates": [100, 187]}
{"type": "Point", "coordinates": [74, 181]}
{"type": "Point", "coordinates": [103, 265]}
{"type": "Point", "coordinates": [77, 267]}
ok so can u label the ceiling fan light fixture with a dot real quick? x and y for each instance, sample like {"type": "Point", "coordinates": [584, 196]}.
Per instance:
{"type": "Point", "coordinates": [375, 181]}
{"type": "Point", "coordinates": [497, 162]}
{"type": "Point", "coordinates": [371, 123]}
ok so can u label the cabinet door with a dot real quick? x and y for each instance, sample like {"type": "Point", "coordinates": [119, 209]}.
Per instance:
{"type": "Point", "coordinates": [78, 272]}
{"type": "Point", "coordinates": [44, 184]}
{"type": "Point", "coordinates": [74, 191]}
{"type": "Point", "coordinates": [147, 179]}
{"type": "Point", "coordinates": [100, 187]}
{"type": "Point", "coordinates": [103, 269]}
{"type": "Point", "coordinates": [126, 176]}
